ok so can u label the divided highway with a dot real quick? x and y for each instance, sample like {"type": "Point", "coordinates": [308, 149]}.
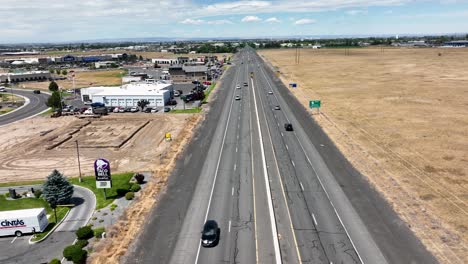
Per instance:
{"type": "Point", "coordinates": [274, 196]}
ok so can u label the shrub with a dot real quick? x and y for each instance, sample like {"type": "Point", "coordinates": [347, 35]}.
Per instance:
{"type": "Point", "coordinates": [140, 178]}
{"type": "Point", "coordinates": [84, 232]}
{"type": "Point", "coordinates": [37, 193]}
{"type": "Point", "coordinates": [98, 232]}
{"type": "Point", "coordinates": [112, 207]}
{"type": "Point", "coordinates": [70, 251]}
{"type": "Point", "coordinates": [80, 257]}
{"type": "Point", "coordinates": [55, 261]}
{"type": "Point", "coordinates": [7, 195]}
{"type": "Point", "coordinates": [121, 192]}
{"type": "Point", "coordinates": [129, 196]}
{"type": "Point", "coordinates": [82, 243]}
{"type": "Point", "coordinates": [135, 187]}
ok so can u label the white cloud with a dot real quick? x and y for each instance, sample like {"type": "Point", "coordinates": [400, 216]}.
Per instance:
{"type": "Point", "coordinates": [192, 21]}
{"type": "Point", "coordinates": [356, 12]}
{"type": "Point", "coordinates": [272, 20]}
{"type": "Point", "coordinates": [251, 19]}
{"type": "Point", "coordinates": [219, 22]}
{"type": "Point", "coordinates": [305, 21]}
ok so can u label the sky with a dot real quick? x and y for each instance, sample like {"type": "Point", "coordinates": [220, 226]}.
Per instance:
{"type": "Point", "coordinates": [30, 21]}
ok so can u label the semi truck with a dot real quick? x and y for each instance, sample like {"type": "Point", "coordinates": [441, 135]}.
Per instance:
{"type": "Point", "coordinates": [19, 222]}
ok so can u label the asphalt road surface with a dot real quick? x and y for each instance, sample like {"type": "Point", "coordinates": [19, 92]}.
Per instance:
{"type": "Point", "coordinates": [35, 106]}
{"type": "Point", "coordinates": [18, 250]}
{"type": "Point", "coordinates": [278, 196]}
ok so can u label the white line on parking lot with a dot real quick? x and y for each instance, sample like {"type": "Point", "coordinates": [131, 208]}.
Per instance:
{"type": "Point", "coordinates": [13, 240]}
{"type": "Point", "coordinates": [302, 186]}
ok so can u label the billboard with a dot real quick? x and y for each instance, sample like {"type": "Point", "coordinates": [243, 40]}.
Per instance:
{"type": "Point", "coordinates": [102, 173]}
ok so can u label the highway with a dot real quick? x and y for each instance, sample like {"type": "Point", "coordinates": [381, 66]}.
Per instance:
{"type": "Point", "coordinates": [278, 196]}
{"type": "Point", "coordinates": [35, 106]}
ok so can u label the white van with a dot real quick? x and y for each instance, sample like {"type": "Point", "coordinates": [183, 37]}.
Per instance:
{"type": "Point", "coordinates": [19, 222]}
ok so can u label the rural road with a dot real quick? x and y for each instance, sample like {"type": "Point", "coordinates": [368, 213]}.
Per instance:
{"type": "Point", "coordinates": [20, 251]}
{"type": "Point", "coordinates": [36, 105]}
{"type": "Point", "coordinates": [278, 196]}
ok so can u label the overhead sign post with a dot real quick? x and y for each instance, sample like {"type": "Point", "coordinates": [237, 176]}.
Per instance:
{"type": "Point", "coordinates": [103, 175]}
{"type": "Point", "coordinates": [315, 104]}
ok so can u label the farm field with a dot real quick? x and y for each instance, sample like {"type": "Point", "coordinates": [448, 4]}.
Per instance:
{"type": "Point", "coordinates": [400, 116]}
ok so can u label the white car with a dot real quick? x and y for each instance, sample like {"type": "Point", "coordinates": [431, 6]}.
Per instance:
{"type": "Point", "coordinates": [154, 110]}
{"type": "Point", "coordinates": [270, 92]}
{"type": "Point", "coordinates": [134, 109]}
{"type": "Point", "coordinates": [238, 87]}
{"type": "Point", "coordinates": [238, 97]}
{"type": "Point", "coordinates": [3, 89]}
{"type": "Point", "coordinates": [88, 111]}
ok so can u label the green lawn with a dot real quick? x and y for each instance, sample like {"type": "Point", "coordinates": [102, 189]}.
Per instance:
{"type": "Point", "coordinates": [61, 212]}
{"type": "Point", "coordinates": [23, 203]}
{"type": "Point", "coordinates": [208, 91]}
{"type": "Point", "coordinates": [186, 111]}
{"type": "Point", "coordinates": [119, 181]}
{"type": "Point", "coordinates": [9, 184]}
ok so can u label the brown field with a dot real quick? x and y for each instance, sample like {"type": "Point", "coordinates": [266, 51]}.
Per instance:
{"type": "Point", "coordinates": [31, 149]}
{"type": "Point", "coordinates": [83, 79]}
{"type": "Point", "coordinates": [401, 118]}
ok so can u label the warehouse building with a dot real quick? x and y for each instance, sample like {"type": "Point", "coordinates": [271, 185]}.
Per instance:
{"type": "Point", "coordinates": [188, 73]}
{"type": "Point", "coordinates": [25, 76]}
{"type": "Point", "coordinates": [157, 94]}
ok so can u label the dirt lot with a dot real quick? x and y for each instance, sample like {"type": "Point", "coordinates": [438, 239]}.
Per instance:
{"type": "Point", "coordinates": [401, 118]}
{"type": "Point", "coordinates": [31, 149]}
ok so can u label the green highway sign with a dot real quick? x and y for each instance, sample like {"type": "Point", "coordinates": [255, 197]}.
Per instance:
{"type": "Point", "coordinates": [314, 104]}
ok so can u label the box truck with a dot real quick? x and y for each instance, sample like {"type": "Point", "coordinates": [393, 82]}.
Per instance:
{"type": "Point", "coordinates": [19, 222]}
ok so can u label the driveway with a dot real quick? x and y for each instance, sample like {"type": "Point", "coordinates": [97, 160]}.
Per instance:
{"type": "Point", "coordinates": [18, 250]}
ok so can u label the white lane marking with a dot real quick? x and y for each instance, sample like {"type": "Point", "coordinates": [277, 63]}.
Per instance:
{"type": "Point", "coordinates": [277, 124]}
{"type": "Point", "coordinates": [235, 166]}
{"type": "Point", "coordinates": [237, 136]}
{"type": "Point", "coordinates": [318, 177]}
{"type": "Point", "coordinates": [286, 147]}
{"type": "Point", "coordinates": [267, 185]}
{"type": "Point", "coordinates": [217, 169]}
{"type": "Point", "coordinates": [282, 188]}
{"type": "Point", "coordinates": [229, 226]}
{"type": "Point", "coordinates": [315, 220]}
{"type": "Point", "coordinates": [302, 186]}
{"type": "Point", "coordinates": [282, 134]}
{"type": "Point", "coordinates": [292, 161]}
{"type": "Point", "coordinates": [232, 192]}
{"type": "Point", "coordinates": [13, 240]}
{"type": "Point", "coordinates": [236, 148]}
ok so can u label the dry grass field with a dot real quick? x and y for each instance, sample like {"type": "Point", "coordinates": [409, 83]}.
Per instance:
{"type": "Point", "coordinates": [84, 79]}
{"type": "Point", "coordinates": [401, 118]}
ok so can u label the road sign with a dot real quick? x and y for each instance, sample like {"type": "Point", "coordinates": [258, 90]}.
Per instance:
{"type": "Point", "coordinates": [102, 173]}
{"type": "Point", "coordinates": [314, 104]}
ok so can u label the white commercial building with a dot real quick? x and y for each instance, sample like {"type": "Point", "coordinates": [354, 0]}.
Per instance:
{"type": "Point", "coordinates": [25, 76]}
{"type": "Point", "coordinates": [157, 94]}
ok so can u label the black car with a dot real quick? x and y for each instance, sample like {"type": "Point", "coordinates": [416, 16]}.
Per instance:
{"type": "Point", "coordinates": [167, 109]}
{"type": "Point", "coordinates": [288, 127]}
{"type": "Point", "coordinates": [148, 109]}
{"type": "Point", "coordinates": [210, 234]}
{"type": "Point", "coordinates": [246, 84]}
{"type": "Point", "coordinates": [37, 91]}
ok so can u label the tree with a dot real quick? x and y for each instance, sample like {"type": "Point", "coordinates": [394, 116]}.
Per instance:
{"type": "Point", "coordinates": [54, 100]}
{"type": "Point", "coordinates": [141, 57]}
{"type": "Point", "coordinates": [53, 86]}
{"type": "Point", "coordinates": [142, 103]}
{"type": "Point", "coordinates": [57, 189]}
{"type": "Point", "coordinates": [58, 71]}
{"type": "Point", "coordinates": [51, 70]}
{"type": "Point", "coordinates": [64, 72]}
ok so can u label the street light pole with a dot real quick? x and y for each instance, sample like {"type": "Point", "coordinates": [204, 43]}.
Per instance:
{"type": "Point", "coordinates": [78, 155]}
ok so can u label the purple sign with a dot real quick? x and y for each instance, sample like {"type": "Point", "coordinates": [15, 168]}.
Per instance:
{"type": "Point", "coordinates": [102, 170]}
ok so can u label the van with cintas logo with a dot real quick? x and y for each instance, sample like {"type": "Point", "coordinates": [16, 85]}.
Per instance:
{"type": "Point", "coordinates": [19, 222]}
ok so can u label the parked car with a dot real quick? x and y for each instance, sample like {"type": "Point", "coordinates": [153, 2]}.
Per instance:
{"type": "Point", "coordinates": [154, 110]}
{"type": "Point", "coordinates": [37, 91]}
{"type": "Point", "coordinates": [3, 89]}
{"type": "Point", "coordinates": [88, 111]}
{"type": "Point", "coordinates": [134, 109]}
{"type": "Point", "coordinates": [122, 110]}
{"type": "Point", "coordinates": [210, 234]}
{"type": "Point", "coordinates": [167, 109]}
{"type": "Point", "coordinates": [97, 104]}
{"type": "Point", "coordinates": [288, 127]}
{"type": "Point", "coordinates": [176, 93]}
{"type": "Point", "coordinates": [172, 102]}
{"type": "Point", "coordinates": [87, 102]}
{"type": "Point", "coordinates": [148, 110]}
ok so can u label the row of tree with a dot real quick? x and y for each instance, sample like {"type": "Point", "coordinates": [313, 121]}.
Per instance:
{"type": "Point", "coordinates": [58, 71]}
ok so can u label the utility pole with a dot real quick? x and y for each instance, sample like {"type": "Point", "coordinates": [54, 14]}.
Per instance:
{"type": "Point", "coordinates": [78, 155]}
